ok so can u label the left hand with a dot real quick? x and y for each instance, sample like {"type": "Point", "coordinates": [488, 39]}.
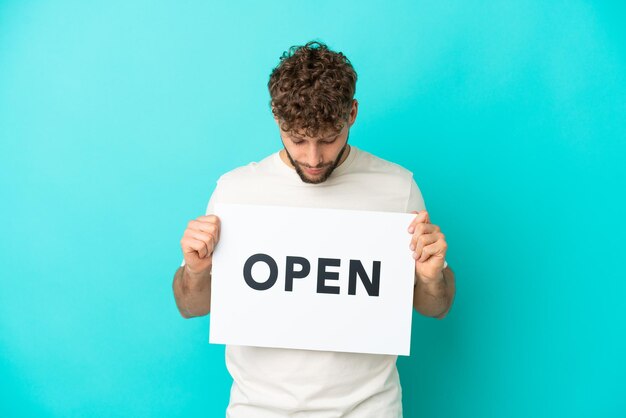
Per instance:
{"type": "Point", "coordinates": [429, 248]}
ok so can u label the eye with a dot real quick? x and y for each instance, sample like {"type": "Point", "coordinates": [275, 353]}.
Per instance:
{"type": "Point", "coordinates": [330, 141]}
{"type": "Point", "coordinates": [298, 142]}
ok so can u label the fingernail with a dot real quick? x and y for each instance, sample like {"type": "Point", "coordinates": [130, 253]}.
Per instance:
{"type": "Point", "coordinates": [415, 256]}
{"type": "Point", "coordinates": [411, 230]}
{"type": "Point", "coordinates": [412, 247]}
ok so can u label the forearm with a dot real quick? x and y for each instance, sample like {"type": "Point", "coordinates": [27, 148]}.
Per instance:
{"type": "Point", "coordinates": [434, 299]}
{"type": "Point", "coordinates": [192, 292]}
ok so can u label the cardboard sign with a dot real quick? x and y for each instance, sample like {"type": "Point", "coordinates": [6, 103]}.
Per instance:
{"type": "Point", "coordinates": [316, 279]}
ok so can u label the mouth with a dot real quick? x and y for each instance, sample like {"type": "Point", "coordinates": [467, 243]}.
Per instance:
{"type": "Point", "coordinates": [313, 171]}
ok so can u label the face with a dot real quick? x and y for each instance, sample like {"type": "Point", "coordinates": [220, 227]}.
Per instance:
{"type": "Point", "coordinates": [314, 159]}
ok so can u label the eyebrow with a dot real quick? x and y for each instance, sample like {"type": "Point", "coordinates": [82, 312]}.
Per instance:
{"type": "Point", "coordinates": [319, 139]}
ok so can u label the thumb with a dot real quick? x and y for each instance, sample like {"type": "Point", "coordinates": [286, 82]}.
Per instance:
{"type": "Point", "coordinates": [427, 215]}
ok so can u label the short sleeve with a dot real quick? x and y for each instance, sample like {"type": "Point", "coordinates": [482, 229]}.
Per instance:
{"type": "Point", "coordinates": [416, 203]}
{"type": "Point", "coordinates": [210, 207]}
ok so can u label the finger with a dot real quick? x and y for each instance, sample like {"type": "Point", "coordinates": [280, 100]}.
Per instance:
{"type": "Point", "coordinates": [422, 242]}
{"type": "Point", "coordinates": [205, 220]}
{"type": "Point", "coordinates": [207, 226]}
{"type": "Point", "coordinates": [421, 217]}
{"type": "Point", "coordinates": [217, 222]}
{"type": "Point", "coordinates": [422, 229]}
{"type": "Point", "coordinates": [437, 248]}
{"type": "Point", "coordinates": [209, 218]}
{"type": "Point", "coordinates": [191, 245]}
{"type": "Point", "coordinates": [207, 238]}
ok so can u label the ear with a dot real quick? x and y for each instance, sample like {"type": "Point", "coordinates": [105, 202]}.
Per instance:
{"type": "Point", "coordinates": [353, 112]}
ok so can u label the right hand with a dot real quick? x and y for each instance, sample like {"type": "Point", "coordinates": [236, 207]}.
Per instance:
{"type": "Point", "coordinates": [199, 241]}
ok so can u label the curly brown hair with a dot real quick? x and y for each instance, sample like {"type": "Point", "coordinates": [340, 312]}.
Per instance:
{"type": "Point", "coordinates": [312, 89]}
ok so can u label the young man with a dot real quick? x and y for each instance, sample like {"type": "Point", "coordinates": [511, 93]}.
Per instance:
{"type": "Point", "coordinates": [312, 99]}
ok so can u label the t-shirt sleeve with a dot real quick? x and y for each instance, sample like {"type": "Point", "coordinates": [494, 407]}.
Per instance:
{"type": "Point", "coordinates": [416, 203]}
{"type": "Point", "coordinates": [209, 210]}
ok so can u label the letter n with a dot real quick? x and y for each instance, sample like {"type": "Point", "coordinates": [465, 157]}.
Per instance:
{"type": "Point", "coordinates": [371, 286]}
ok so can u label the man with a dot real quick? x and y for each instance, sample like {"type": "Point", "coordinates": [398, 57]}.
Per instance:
{"type": "Point", "coordinates": [312, 99]}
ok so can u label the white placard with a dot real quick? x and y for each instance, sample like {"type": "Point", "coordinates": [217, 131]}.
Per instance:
{"type": "Point", "coordinates": [343, 310]}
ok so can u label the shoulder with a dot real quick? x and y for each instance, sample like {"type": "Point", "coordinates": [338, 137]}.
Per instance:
{"type": "Point", "coordinates": [248, 171]}
{"type": "Point", "coordinates": [368, 162]}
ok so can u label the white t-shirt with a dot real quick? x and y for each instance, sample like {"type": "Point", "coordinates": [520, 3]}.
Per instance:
{"type": "Point", "coordinates": [278, 383]}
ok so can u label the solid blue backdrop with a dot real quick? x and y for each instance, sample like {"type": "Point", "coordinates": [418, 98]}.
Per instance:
{"type": "Point", "coordinates": [117, 118]}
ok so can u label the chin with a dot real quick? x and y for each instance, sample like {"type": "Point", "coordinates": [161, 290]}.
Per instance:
{"type": "Point", "coordinates": [314, 180]}
{"type": "Point", "coordinates": [322, 177]}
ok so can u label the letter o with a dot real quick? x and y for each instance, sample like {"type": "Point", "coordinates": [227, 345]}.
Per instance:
{"type": "Point", "coordinates": [247, 271]}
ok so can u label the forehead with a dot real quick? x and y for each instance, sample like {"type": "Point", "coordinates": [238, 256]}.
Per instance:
{"type": "Point", "coordinates": [323, 135]}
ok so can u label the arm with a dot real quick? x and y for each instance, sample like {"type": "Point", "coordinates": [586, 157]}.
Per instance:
{"type": "Point", "coordinates": [192, 292]}
{"type": "Point", "coordinates": [434, 288]}
{"type": "Point", "coordinates": [435, 299]}
{"type": "Point", "coordinates": [192, 280]}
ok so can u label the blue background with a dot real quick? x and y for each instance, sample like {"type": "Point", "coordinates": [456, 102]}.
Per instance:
{"type": "Point", "coordinates": [117, 117]}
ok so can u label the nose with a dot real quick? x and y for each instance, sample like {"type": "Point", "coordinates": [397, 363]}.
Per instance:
{"type": "Point", "coordinates": [315, 156]}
